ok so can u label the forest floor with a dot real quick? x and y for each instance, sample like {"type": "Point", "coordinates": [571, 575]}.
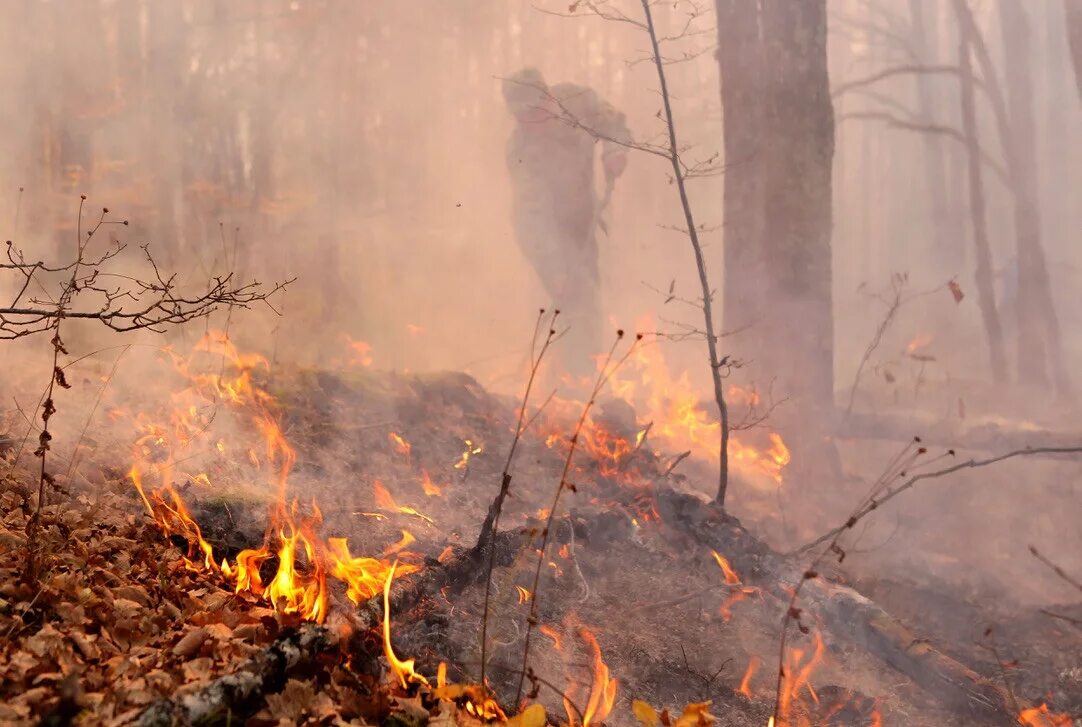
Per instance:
{"type": "Point", "coordinates": [120, 616]}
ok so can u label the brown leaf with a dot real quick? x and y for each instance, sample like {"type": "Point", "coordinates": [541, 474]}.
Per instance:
{"type": "Point", "coordinates": [190, 643]}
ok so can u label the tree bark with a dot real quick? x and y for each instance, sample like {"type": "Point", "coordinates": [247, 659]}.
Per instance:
{"type": "Point", "coordinates": [1039, 347]}
{"type": "Point", "coordinates": [986, 296]}
{"type": "Point", "coordinates": [779, 149]}
{"type": "Point", "coordinates": [945, 247]}
{"type": "Point", "coordinates": [1072, 10]}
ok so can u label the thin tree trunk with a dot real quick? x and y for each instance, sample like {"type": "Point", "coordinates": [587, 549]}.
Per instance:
{"type": "Point", "coordinates": [946, 249]}
{"type": "Point", "coordinates": [1072, 10]}
{"type": "Point", "coordinates": [700, 261]}
{"type": "Point", "coordinates": [779, 148]}
{"type": "Point", "coordinates": [978, 215]}
{"type": "Point", "coordinates": [797, 200]}
{"type": "Point", "coordinates": [1038, 355]}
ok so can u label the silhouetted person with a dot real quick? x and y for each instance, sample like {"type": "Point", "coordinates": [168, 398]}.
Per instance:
{"type": "Point", "coordinates": [555, 203]}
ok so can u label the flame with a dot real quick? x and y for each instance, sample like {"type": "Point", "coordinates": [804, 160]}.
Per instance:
{"type": "Point", "coordinates": [737, 592]}
{"type": "Point", "coordinates": [603, 691]}
{"type": "Point", "coordinates": [553, 634]}
{"type": "Point", "coordinates": [431, 488]}
{"type": "Point", "coordinates": [1043, 717]}
{"type": "Point", "coordinates": [360, 351]}
{"type": "Point", "coordinates": [304, 559]}
{"type": "Point", "coordinates": [796, 678]}
{"type": "Point", "coordinates": [918, 343]}
{"type": "Point", "coordinates": [523, 594]}
{"type": "Point", "coordinates": [385, 501]}
{"type": "Point", "coordinates": [745, 683]}
{"type": "Point", "coordinates": [770, 462]}
{"type": "Point", "coordinates": [402, 669]}
{"type": "Point", "coordinates": [464, 460]}
{"type": "Point", "coordinates": [400, 444]}
{"type": "Point", "coordinates": [680, 419]}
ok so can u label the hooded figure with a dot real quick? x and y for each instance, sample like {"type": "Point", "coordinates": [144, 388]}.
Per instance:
{"type": "Point", "coordinates": [555, 204]}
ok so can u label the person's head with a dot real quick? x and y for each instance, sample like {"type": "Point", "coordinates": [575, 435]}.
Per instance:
{"type": "Point", "coordinates": [525, 92]}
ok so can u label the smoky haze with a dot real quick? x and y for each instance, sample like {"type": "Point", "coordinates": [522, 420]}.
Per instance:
{"type": "Point", "coordinates": [360, 147]}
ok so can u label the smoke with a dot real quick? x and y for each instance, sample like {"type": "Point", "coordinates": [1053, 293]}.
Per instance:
{"type": "Point", "coordinates": [359, 147]}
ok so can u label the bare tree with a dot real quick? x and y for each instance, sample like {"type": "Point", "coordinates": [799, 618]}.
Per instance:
{"type": "Point", "coordinates": [986, 297]}
{"type": "Point", "coordinates": [152, 303]}
{"type": "Point", "coordinates": [779, 147]}
{"type": "Point", "coordinates": [1072, 10]}
{"type": "Point", "coordinates": [669, 149]}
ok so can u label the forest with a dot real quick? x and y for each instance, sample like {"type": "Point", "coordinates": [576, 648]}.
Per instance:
{"type": "Point", "coordinates": [639, 363]}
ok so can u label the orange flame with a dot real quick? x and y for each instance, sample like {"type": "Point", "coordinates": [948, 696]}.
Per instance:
{"type": "Point", "coordinates": [738, 591]}
{"type": "Point", "coordinates": [304, 559]}
{"type": "Point", "coordinates": [400, 444]}
{"type": "Point", "coordinates": [918, 343]}
{"type": "Point", "coordinates": [680, 417]}
{"type": "Point", "coordinates": [1043, 717]}
{"type": "Point", "coordinates": [402, 669]}
{"type": "Point", "coordinates": [430, 488]}
{"type": "Point", "coordinates": [464, 460]}
{"type": "Point", "coordinates": [385, 501]}
{"type": "Point", "coordinates": [745, 683]}
{"type": "Point", "coordinates": [603, 692]}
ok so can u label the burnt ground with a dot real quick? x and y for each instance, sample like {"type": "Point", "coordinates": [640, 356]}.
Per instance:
{"type": "Point", "coordinates": [627, 567]}
{"type": "Point", "coordinates": [649, 591]}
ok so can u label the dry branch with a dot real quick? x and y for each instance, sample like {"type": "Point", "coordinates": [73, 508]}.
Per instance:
{"type": "Point", "coordinates": [846, 615]}
{"type": "Point", "coordinates": [237, 695]}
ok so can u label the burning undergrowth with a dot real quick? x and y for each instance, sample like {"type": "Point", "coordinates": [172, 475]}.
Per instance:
{"type": "Point", "coordinates": [352, 498]}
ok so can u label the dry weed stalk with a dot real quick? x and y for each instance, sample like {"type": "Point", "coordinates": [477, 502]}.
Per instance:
{"type": "Point", "coordinates": [607, 369]}
{"type": "Point", "coordinates": [670, 150]}
{"type": "Point", "coordinates": [485, 541]}
{"type": "Point", "coordinates": [150, 304]}
{"type": "Point", "coordinates": [880, 493]}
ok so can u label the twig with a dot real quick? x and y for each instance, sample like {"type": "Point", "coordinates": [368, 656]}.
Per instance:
{"type": "Point", "coordinates": [492, 521]}
{"type": "Point", "coordinates": [606, 372]}
{"type": "Point", "coordinates": [1055, 568]}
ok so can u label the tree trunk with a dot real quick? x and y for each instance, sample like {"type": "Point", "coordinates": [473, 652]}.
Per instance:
{"type": "Point", "coordinates": [1072, 10]}
{"type": "Point", "coordinates": [779, 149]}
{"type": "Point", "coordinates": [945, 248]}
{"type": "Point", "coordinates": [1039, 348]}
{"type": "Point", "coordinates": [797, 199]}
{"type": "Point", "coordinates": [986, 296]}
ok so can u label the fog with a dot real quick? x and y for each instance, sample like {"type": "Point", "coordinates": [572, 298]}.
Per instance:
{"type": "Point", "coordinates": [360, 148]}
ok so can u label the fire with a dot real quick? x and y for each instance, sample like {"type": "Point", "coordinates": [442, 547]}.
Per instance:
{"type": "Point", "coordinates": [770, 462]}
{"type": "Point", "coordinates": [1043, 717]}
{"type": "Point", "coordinates": [360, 352]}
{"type": "Point", "coordinates": [745, 683]}
{"type": "Point", "coordinates": [603, 691]}
{"type": "Point", "coordinates": [679, 416]}
{"type": "Point", "coordinates": [918, 343]}
{"type": "Point", "coordinates": [523, 594]}
{"type": "Point", "coordinates": [553, 634]}
{"type": "Point", "coordinates": [402, 669]}
{"type": "Point", "coordinates": [737, 592]}
{"type": "Point", "coordinates": [400, 445]}
{"type": "Point", "coordinates": [796, 678]}
{"type": "Point", "coordinates": [385, 501]}
{"type": "Point", "coordinates": [464, 460]}
{"type": "Point", "coordinates": [430, 488]}
{"type": "Point", "coordinates": [304, 559]}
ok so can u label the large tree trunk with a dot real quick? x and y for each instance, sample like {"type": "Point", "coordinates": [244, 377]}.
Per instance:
{"type": "Point", "coordinates": [1039, 348]}
{"type": "Point", "coordinates": [946, 250]}
{"type": "Point", "coordinates": [779, 149]}
{"type": "Point", "coordinates": [1072, 10]}
{"type": "Point", "coordinates": [986, 297]}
